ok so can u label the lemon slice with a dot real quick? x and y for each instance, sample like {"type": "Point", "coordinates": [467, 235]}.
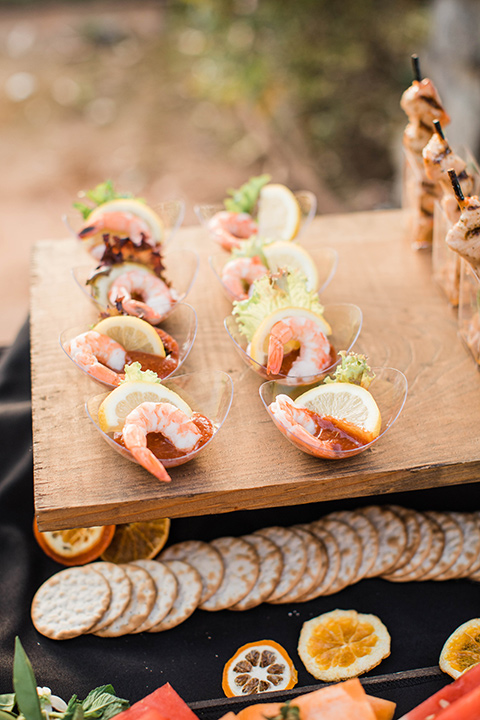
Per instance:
{"type": "Point", "coordinates": [132, 333]}
{"type": "Point", "coordinates": [279, 213]}
{"type": "Point", "coordinates": [462, 649]}
{"type": "Point", "coordinates": [130, 205]}
{"type": "Point", "coordinates": [349, 404]}
{"type": "Point", "coordinates": [102, 282]}
{"type": "Point", "coordinates": [127, 396]}
{"type": "Point", "coordinates": [342, 644]}
{"type": "Point", "coordinates": [259, 344]}
{"type": "Point", "coordinates": [283, 254]}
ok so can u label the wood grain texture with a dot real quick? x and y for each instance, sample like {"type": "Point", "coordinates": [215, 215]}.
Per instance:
{"type": "Point", "coordinates": [407, 324]}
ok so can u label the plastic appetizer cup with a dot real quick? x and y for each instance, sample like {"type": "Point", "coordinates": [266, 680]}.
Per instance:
{"type": "Point", "coordinates": [181, 268]}
{"type": "Point", "coordinates": [388, 388]}
{"type": "Point", "coordinates": [325, 259]}
{"type": "Point", "coordinates": [170, 212]}
{"type": "Point", "coordinates": [181, 324]}
{"type": "Point", "coordinates": [344, 319]}
{"type": "Point", "coordinates": [305, 198]}
{"type": "Point", "coordinates": [209, 393]}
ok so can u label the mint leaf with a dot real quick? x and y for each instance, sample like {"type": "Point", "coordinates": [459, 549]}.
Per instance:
{"type": "Point", "coordinates": [103, 703]}
{"type": "Point", "coordinates": [25, 685]}
{"type": "Point", "coordinates": [74, 709]}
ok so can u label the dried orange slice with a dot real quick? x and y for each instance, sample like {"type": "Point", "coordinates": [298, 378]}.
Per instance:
{"type": "Point", "coordinates": [78, 546]}
{"type": "Point", "coordinates": [258, 667]}
{"type": "Point", "coordinates": [342, 644]}
{"type": "Point", "coordinates": [137, 541]}
{"type": "Point", "coordinates": [462, 649]}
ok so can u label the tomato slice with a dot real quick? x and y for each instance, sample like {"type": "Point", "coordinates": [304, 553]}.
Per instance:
{"type": "Point", "coordinates": [77, 546]}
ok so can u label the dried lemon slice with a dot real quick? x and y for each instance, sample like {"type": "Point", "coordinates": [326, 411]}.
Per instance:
{"type": "Point", "coordinates": [462, 649]}
{"type": "Point", "coordinates": [258, 667]}
{"type": "Point", "coordinates": [342, 644]}
{"type": "Point", "coordinates": [137, 541]}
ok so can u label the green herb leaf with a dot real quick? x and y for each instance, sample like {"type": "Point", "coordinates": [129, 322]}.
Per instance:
{"type": "Point", "coordinates": [103, 703]}
{"type": "Point", "coordinates": [25, 685]}
{"type": "Point", "coordinates": [287, 712]}
{"type": "Point", "coordinates": [245, 198]}
{"type": "Point", "coordinates": [7, 701]}
{"type": "Point", "coordinates": [4, 715]}
{"type": "Point", "coordinates": [102, 193]}
{"type": "Point", "coordinates": [74, 709]}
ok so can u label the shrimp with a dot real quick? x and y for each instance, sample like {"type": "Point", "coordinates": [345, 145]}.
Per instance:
{"type": "Point", "coordinates": [98, 355]}
{"type": "Point", "coordinates": [157, 298]}
{"type": "Point", "coordinates": [240, 272]}
{"type": "Point", "coordinates": [314, 347]}
{"type": "Point", "coordinates": [120, 223]}
{"type": "Point", "coordinates": [300, 423]}
{"type": "Point", "coordinates": [164, 418]}
{"type": "Point", "coordinates": [229, 228]}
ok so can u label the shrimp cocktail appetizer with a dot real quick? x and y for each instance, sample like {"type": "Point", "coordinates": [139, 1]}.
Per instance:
{"type": "Point", "coordinates": [127, 237]}
{"type": "Point", "coordinates": [342, 416]}
{"type": "Point", "coordinates": [103, 351]}
{"type": "Point", "coordinates": [422, 105]}
{"type": "Point", "coordinates": [283, 331]}
{"type": "Point", "coordinates": [150, 421]}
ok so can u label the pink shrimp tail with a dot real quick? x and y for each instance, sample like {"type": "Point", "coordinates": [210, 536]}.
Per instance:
{"type": "Point", "coordinates": [279, 335]}
{"type": "Point", "coordinates": [147, 459]}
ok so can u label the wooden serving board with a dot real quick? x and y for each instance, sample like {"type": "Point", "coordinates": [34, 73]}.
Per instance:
{"type": "Point", "coordinates": [80, 481]}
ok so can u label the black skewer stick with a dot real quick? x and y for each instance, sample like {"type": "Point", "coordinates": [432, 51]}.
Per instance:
{"type": "Point", "coordinates": [457, 189]}
{"type": "Point", "coordinates": [417, 75]}
{"type": "Point", "coordinates": [438, 128]}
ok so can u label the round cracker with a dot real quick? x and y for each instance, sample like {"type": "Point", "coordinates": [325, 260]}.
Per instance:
{"type": "Point", "coordinates": [189, 584]}
{"type": "Point", "coordinates": [140, 605]}
{"type": "Point", "coordinates": [333, 560]}
{"type": "Point", "coordinates": [204, 558]}
{"type": "Point", "coordinates": [392, 537]}
{"type": "Point", "coordinates": [470, 547]}
{"type": "Point", "coordinates": [167, 588]}
{"type": "Point", "coordinates": [474, 569]}
{"type": "Point", "coordinates": [430, 560]}
{"type": "Point", "coordinates": [412, 526]}
{"type": "Point", "coordinates": [350, 548]}
{"type": "Point", "coordinates": [271, 565]}
{"type": "Point", "coordinates": [408, 571]}
{"type": "Point", "coordinates": [294, 555]}
{"type": "Point", "coordinates": [242, 568]}
{"type": "Point", "coordinates": [367, 533]}
{"type": "Point", "coordinates": [70, 602]}
{"type": "Point", "coordinates": [315, 570]}
{"type": "Point", "coordinates": [121, 590]}
{"type": "Point", "coordinates": [452, 545]}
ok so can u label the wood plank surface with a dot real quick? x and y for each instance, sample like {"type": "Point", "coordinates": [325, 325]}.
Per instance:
{"type": "Point", "coordinates": [407, 324]}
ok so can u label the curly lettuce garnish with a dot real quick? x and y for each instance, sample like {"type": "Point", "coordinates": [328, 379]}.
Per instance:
{"type": "Point", "coordinates": [102, 193]}
{"type": "Point", "coordinates": [253, 247]}
{"type": "Point", "coordinates": [245, 198]}
{"type": "Point", "coordinates": [134, 373]}
{"type": "Point", "coordinates": [284, 289]}
{"type": "Point", "coordinates": [353, 369]}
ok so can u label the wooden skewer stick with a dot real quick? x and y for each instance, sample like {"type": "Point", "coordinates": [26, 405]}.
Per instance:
{"type": "Point", "coordinates": [438, 128]}
{"type": "Point", "coordinates": [457, 189]}
{"type": "Point", "coordinates": [417, 75]}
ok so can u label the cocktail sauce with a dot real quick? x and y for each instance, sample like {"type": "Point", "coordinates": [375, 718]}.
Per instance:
{"type": "Point", "coordinates": [162, 366]}
{"type": "Point", "coordinates": [164, 449]}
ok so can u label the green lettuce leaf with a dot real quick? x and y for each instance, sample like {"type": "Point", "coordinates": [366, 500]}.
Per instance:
{"type": "Point", "coordinates": [102, 193]}
{"type": "Point", "coordinates": [245, 198]}
{"type": "Point", "coordinates": [284, 289]}
{"type": "Point", "coordinates": [253, 247]}
{"type": "Point", "coordinates": [353, 369]}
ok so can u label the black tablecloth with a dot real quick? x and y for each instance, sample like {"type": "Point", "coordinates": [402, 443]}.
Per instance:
{"type": "Point", "coordinates": [419, 616]}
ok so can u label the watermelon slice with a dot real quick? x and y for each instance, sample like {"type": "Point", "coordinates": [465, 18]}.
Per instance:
{"type": "Point", "coordinates": [163, 704]}
{"type": "Point", "coordinates": [448, 697]}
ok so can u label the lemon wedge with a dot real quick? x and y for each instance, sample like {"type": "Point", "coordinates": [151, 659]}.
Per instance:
{"type": "Point", "coordinates": [132, 333]}
{"type": "Point", "coordinates": [284, 254]}
{"type": "Point", "coordinates": [350, 405]}
{"type": "Point", "coordinates": [136, 207]}
{"type": "Point", "coordinates": [127, 396]}
{"type": "Point", "coordinates": [279, 213]}
{"type": "Point", "coordinates": [259, 344]}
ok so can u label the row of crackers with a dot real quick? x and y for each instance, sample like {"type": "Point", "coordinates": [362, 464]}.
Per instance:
{"type": "Point", "coordinates": [276, 565]}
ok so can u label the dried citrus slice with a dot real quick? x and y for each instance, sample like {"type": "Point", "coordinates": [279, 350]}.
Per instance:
{"type": "Point", "coordinates": [283, 254]}
{"type": "Point", "coordinates": [127, 396]}
{"type": "Point", "coordinates": [462, 649]}
{"type": "Point", "coordinates": [137, 541]}
{"type": "Point", "coordinates": [279, 213]}
{"type": "Point", "coordinates": [258, 667]}
{"type": "Point", "coordinates": [259, 344]}
{"type": "Point", "coordinates": [135, 207]}
{"type": "Point", "coordinates": [353, 407]}
{"type": "Point", "coordinates": [77, 546]}
{"type": "Point", "coordinates": [132, 333]}
{"type": "Point", "coordinates": [342, 644]}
